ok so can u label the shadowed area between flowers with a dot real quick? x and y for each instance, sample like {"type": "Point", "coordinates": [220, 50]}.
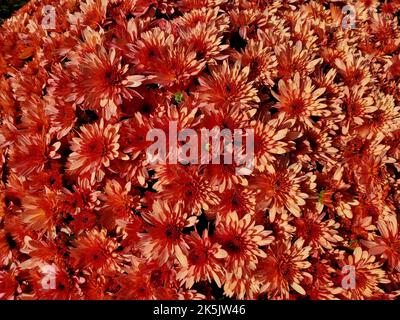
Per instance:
{"type": "Point", "coordinates": [8, 7]}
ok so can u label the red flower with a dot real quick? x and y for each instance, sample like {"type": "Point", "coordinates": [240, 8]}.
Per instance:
{"type": "Point", "coordinates": [96, 252]}
{"type": "Point", "coordinates": [93, 150]}
{"type": "Point", "coordinates": [203, 261]}
{"type": "Point", "coordinates": [283, 268]}
{"type": "Point", "coordinates": [388, 244]}
{"type": "Point", "coordinates": [103, 81]}
{"type": "Point", "coordinates": [84, 204]}
{"type": "Point", "coordinates": [164, 240]}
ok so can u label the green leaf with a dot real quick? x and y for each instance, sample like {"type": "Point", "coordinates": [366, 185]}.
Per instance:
{"type": "Point", "coordinates": [178, 97]}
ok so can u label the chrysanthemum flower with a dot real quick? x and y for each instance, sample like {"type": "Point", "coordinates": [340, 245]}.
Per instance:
{"type": "Point", "coordinates": [65, 285]}
{"type": "Point", "coordinates": [283, 268]}
{"type": "Point", "coordinates": [177, 184]}
{"type": "Point", "coordinates": [202, 13]}
{"type": "Point", "coordinates": [223, 176]}
{"type": "Point", "coordinates": [385, 119]}
{"type": "Point", "coordinates": [356, 106]}
{"type": "Point", "coordinates": [299, 99]}
{"type": "Point", "coordinates": [148, 104]}
{"type": "Point", "coordinates": [279, 190]}
{"type": "Point", "coordinates": [146, 281]}
{"type": "Point", "coordinates": [93, 13]}
{"type": "Point", "coordinates": [228, 118]}
{"type": "Point", "coordinates": [206, 42]}
{"type": "Point", "coordinates": [368, 275]}
{"type": "Point", "coordinates": [83, 197]}
{"type": "Point", "coordinates": [239, 199]}
{"type": "Point", "coordinates": [41, 212]}
{"type": "Point", "coordinates": [244, 287]}
{"type": "Point", "coordinates": [387, 244]}
{"type": "Point", "coordinates": [293, 58]}
{"type": "Point", "coordinates": [272, 138]}
{"type": "Point", "coordinates": [119, 203]}
{"type": "Point", "coordinates": [40, 253]}
{"type": "Point", "coordinates": [315, 146]}
{"type": "Point", "coordinates": [5, 252]}
{"type": "Point", "coordinates": [149, 48]}
{"type": "Point", "coordinates": [79, 190]}
{"type": "Point", "coordinates": [176, 66]}
{"type": "Point", "coordinates": [321, 286]}
{"type": "Point", "coordinates": [203, 264]}
{"type": "Point", "coordinates": [96, 252]}
{"type": "Point", "coordinates": [30, 154]}
{"type": "Point", "coordinates": [92, 151]}
{"type": "Point", "coordinates": [282, 226]}
{"type": "Point", "coordinates": [164, 240]}
{"type": "Point", "coordinates": [332, 91]}
{"type": "Point", "coordinates": [246, 21]}
{"type": "Point", "coordinates": [8, 285]}
{"type": "Point", "coordinates": [228, 86]}
{"type": "Point", "coordinates": [334, 193]}
{"type": "Point", "coordinates": [316, 231]}
{"type": "Point", "coordinates": [83, 220]}
{"type": "Point", "coordinates": [103, 81]}
{"type": "Point", "coordinates": [242, 239]}
{"type": "Point", "coordinates": [355, 71]}
{"type": "Point", "coordinates": [262, 63]}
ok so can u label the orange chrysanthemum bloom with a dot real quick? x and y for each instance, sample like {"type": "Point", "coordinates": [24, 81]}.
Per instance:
{"type": "Point", "coordinates": [239, 199]}
{"type": "Point", "coordinates": [355, 71]}
{"type": "Point", "coordinates": [387, 244]}
{"type": "Point", "coordinates": [368, 275]}
{"type": "Point", "coordinates": [279, 190]}
{"type": "Point", "coordinates": [206, 41]}
{"type": "Point", "coordinates": [41, 212]}
{"type": "Point", "coordinates": [175, 183]}
{"type": "Point", "coordinates": [164, 241]}
{"type": "Point", "coordinates": [242, 239]}
{"type": "Point", "coordinates": [119, 202]}
{"type": "Point", "coordinates": [65, 286]}
{"type": "Point", "coordinates": [261, 61]}
{"type": "Point", "coordinates": [103, 81]}
{"type": "Point", "coordinates": [293, 58]}
{"type": "Point", "coordinates": [283, 268]}
{"type": "Point", "coordinates": [98, 187]}
{"type": "Point", "coordinates": [146, 281]}
{"type": "Point", "coordinates": [271, 138]}
{"type": "Point", "coordinates": [96, 252]}
{"type": "Point", "coordinates": [29, 154]}
{"type": "Point", "coordinates": [203, 264]}
{"type": "Point", "coordinates": [5, 252]}
{"type": "Point", "coordinates": [335, 195]}
{"type": "Point", "coordinates": [299, 99]}
{"type": "Point", "coordinates": [316, 231]}
{"type": "Point", "coordinates": [315, 146]}
{"type": "Point", "coordinates": [228, 86]}
{"type": "Point", "coordinates": [356, 106]}
{"type": "Point", "coordinates": [92, 151]}
{"type": "Point", "coordinates": [8, 285]}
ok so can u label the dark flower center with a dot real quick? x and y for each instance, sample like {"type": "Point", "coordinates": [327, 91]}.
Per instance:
{"type": "Point", "coordinates": [234, 245]}
{"type": "Point", "coordinates": [112, 77]}
{"type": "Point", "coordinates": [197, 256]}
{"type": "Point", "coordinates": [173, 232]}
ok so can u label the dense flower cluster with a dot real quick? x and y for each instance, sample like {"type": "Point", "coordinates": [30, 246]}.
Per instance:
{"type": "Point", "coordinates": [78, 195]}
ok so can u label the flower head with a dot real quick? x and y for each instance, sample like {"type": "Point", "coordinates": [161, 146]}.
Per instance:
{"type": "Point", "coordinates": [92, 151]}
{"type": "Point", "coordinates": [242, 239]}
